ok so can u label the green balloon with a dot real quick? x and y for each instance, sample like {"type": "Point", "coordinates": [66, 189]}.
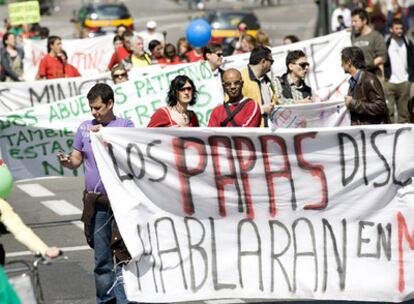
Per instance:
{"type": "Point", "coordinates": [6, 182]}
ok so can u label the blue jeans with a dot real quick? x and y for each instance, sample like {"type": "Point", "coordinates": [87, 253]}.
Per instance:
{"type": "Point", "coordinates": [119, 287]}
{"type": "Point", "coordinates": [104, 263]}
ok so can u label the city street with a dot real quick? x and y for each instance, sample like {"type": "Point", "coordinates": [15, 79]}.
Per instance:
{"type": "Point", "coordinates": [52, 207]}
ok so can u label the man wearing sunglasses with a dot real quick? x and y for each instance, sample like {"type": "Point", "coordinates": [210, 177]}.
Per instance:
{"type": "Point", "coordinates": [257, 84]}
{"type": "Point", "coordinates": [213, 54]}
{"type": "Point", "coordinates": [238, 110]}
{"type": "Point", "coordinates": [291, 87]}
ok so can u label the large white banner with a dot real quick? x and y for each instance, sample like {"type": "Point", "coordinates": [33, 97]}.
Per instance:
{"type": "Point", "coordinates": [246, 213]}
{"type": "Point", "coordinates": [90, 56]}
{"type": "Point", "coordinates": [19, 95]}
{"type": "Point", "coordinates": [30, 138]}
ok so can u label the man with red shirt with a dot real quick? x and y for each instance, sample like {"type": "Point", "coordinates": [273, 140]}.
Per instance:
{"type": "Point", "coordinates": [238, 111]}
{"type": "Point", "coordinates": [51, 66]}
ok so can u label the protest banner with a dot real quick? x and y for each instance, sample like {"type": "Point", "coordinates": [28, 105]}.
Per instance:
{"type": "Point", "coordinates": [326, 76]}
{"type": "Point", "coordinates": [30, 138]}
{"type": "Point", "coordinates": [24, 12]}
{"type": "Point", "coordinates": [312, 115]}
{"type": "Point", "coordinates": [231, 213]}
{"type": "Point", "coordinates": [18, 95]}
{"type": "Point", "coordinates": [90, 56]}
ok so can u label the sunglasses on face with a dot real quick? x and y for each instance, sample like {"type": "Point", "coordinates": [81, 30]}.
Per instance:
{"type": "Point", "coordinates": [270, 60]}
{"type": "Point", "coordinates": [119, 76]}
{"type": "Point", "coordinates": [184, 89]}
{"type": "Point", "coordinates": [303, 65]}
{"type": "Point", "coordinates": [236, 83]}
{"type": "Point", "coordinates": [219, 54]}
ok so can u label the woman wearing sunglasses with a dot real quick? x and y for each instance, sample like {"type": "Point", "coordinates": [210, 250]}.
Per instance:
{"type": "Point", "coordinates": [182, 93]}
{"type": "Point", "coordinates": [291, 87]}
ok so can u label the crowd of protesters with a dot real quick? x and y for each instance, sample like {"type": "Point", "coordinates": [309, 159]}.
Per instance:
{"type": "Point", "coordinates": [381, 71]}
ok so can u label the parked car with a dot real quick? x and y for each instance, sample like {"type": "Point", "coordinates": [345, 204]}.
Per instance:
{"type": "Point", "coordinates": [98, 19]}
{"type": "Point", "coordinates": [224, 26]}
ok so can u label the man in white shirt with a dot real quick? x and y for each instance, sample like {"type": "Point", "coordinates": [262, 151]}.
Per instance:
{"type": "Point", "coordinates": [151, 34]}
{"type": "Point", "coordinates": [213, 54]}
{"type": "Point", "coordinates": [343, 11]}
{"type": "Point", "coordinates": [399, 72]}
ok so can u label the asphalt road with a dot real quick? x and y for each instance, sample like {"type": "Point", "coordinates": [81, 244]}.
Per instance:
{"type": "Point", "coordinates": [52, 207]}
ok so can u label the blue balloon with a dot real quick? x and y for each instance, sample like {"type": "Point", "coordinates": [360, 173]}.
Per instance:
{"type": "Point", "coordinates": [198, 33]}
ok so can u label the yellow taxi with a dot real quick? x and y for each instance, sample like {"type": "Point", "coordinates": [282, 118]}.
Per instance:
{"type": "Point", "coordinates": [98, 19]}
{"type": "Point", "coordinates": [224, 25]}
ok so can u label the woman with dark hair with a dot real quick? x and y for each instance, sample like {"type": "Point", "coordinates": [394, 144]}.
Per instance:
{"type": "Point", "coordinates": [170, 55]}
{"type": "Point", "coordinates": [11, 59]}
{"type": "Point", "coordinates": [70, 70]}
{"type": "Point", "coordinates": [411, 110]}
{"type": "Point", "coordinates": [181, 94]}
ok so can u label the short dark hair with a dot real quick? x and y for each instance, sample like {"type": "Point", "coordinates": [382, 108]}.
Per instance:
{"type": "Point", "coordinates": [126, 34]}
{"type": "Point", "coordinates": [5, 37]}
{"type": "Point", "coordinates": [210, 49]}
{"type": "Point", "coordinates": [153, 44]}
{"type": "Point", "coordinates": [258, 54]}
{"type": "Point", "coordinates": [292, 38]}
{"type": "Point", "coordinates": [101, 90]}
{"type": "Point", "coordinates": [177, 83]}
{"type": "Point", "coordinates": [355, 55]}
{"type": "Point", "coordinates": [117, 38]}
{"type": "Point", "coordinates": [43, 32]}
{"type": "Point", "coordinates": [293, 56]}
{"type": "Point", "coordinates": [363, 14]}
{"type": "Point", "coordinates": [172, 47]}
{"type": "Point", "coordinates": [396, 21]}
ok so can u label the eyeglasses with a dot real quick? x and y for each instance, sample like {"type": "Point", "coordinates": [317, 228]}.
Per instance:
{"type": "Point", "coordinates": [219, 54]}
{"type": "Point", "coordinates": [184, 89]}
{"type": "Point", "coordinates": [270, 60]}
{"type": "Point", "coordinates": [119, 76]}
{"type": "Point", "coordinates": [236, 83]}
{"type": "Point", "coordinates": [303, 65]}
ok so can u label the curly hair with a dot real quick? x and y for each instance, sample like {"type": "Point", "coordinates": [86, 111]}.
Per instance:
{"type": "Point", "coordinates": [177, 83]}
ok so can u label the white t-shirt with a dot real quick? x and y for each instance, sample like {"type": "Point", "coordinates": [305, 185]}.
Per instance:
{"type": "Point", "coordinates": [398, 58]}
{"type": "Point", "coordinates": [346, 13]}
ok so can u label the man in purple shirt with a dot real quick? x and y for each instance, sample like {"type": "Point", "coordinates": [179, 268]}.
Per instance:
{"type": "Point", "coordinates": [97, 215]}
